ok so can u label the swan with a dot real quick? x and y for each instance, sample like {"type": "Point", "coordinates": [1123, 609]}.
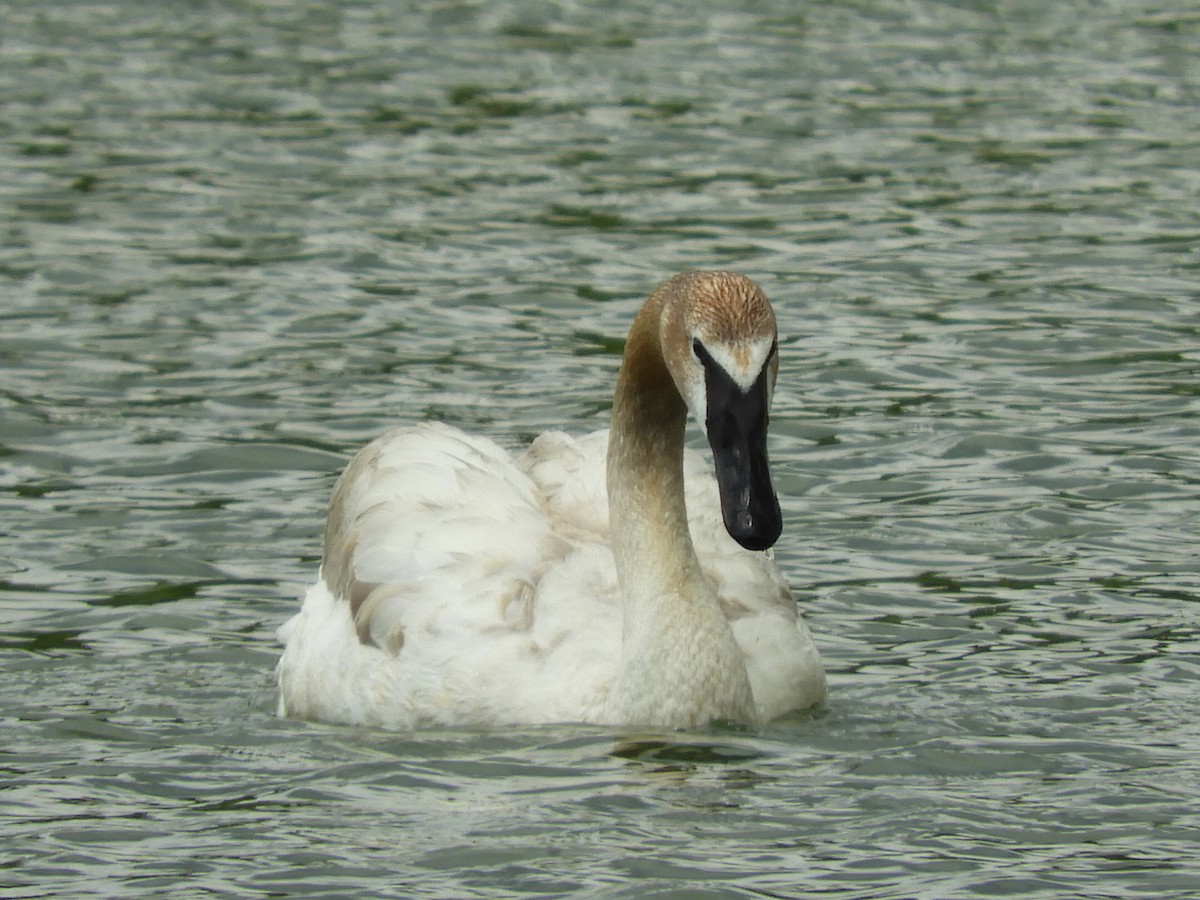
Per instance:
{"type": "Point", "coordinates": [607, 579]}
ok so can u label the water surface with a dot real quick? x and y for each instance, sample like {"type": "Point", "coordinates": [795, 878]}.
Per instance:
{"type": "Point", "coordinates": [240, 239]}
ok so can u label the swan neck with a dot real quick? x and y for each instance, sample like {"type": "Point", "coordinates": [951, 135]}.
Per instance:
{"type": "Point", "coordinates": [681, 665]}
{"type": "Point", "coordinates": [648, 516]}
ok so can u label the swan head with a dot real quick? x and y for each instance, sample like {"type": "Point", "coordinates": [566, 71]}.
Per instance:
{"type": "Point", "coordinates": [720, 344]}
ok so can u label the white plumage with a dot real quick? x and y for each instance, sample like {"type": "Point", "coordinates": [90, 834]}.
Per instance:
{"type": "Point", "coordinates": [464, 587]}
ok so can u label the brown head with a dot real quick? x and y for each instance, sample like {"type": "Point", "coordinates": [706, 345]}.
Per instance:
{"type": "Point", "coordinates": [718, 339]}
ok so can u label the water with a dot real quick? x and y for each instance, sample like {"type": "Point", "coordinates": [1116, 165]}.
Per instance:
{"type": "Point", "coordinates": [239, 239]}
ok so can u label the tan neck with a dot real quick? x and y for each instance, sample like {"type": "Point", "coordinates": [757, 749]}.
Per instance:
{"type": "Point", "coordinates": [648, 519]}
{"type": "Point", "coordinates": [680, 663]}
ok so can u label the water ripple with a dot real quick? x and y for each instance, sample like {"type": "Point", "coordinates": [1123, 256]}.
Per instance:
{"type": "Point", "coordinates": [244, 238]}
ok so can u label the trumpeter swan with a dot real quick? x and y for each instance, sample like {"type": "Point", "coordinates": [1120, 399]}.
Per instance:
{"type": "Point", "coordinates": [461, 586]}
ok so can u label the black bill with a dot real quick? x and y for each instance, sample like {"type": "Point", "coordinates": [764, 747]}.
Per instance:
{"type": "Point", "coordinates": [737, 431]}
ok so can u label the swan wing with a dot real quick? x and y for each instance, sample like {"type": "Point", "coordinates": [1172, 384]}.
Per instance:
{"type": "Point", "coordinates": [446, 596]}
{"type": "Point", "coordinates": [423, 506]}
{"type": "Point", "coordinates": [569, 473]}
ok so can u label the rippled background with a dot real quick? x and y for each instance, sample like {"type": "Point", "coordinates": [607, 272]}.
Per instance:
{"type": "Point", "coordinates": [238, 239]}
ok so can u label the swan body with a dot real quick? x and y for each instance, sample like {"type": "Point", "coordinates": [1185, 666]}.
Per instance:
{"type": "Point", "coordinates": [606, 579]}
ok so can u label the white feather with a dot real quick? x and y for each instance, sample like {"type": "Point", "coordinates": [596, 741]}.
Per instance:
{"type": "Point", "coordinates": [502, 598]}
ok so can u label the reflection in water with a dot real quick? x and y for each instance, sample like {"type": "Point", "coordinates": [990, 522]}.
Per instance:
{"type": "Point", "coordinates": [699, 774]}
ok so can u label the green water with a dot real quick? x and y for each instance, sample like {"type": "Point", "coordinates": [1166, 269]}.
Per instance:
{"type": "Point", "coordinates": [239, 239]}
